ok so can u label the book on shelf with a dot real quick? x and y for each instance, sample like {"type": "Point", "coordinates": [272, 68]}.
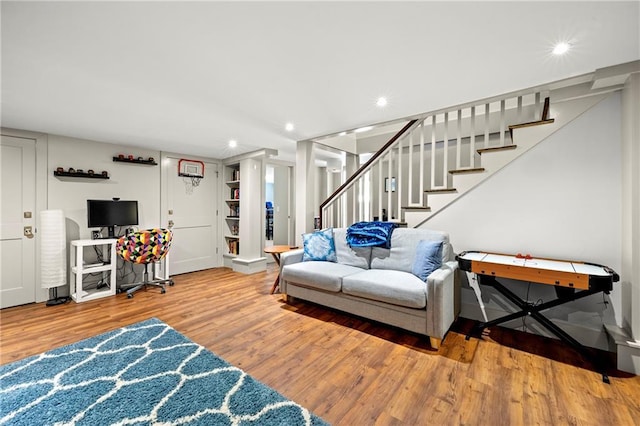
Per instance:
{"type": "Point", "coordinates": [234, 246]}
{"type": "Point", "coordinates": [235, 175]}
{"type": "Point", "coordinates": [235, 193]}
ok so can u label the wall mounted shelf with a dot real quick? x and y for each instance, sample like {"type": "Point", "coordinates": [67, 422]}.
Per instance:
{"type": "Point", "coordinates": [79, 175]}
{"type": "Point", "coordinates": [135, 161]}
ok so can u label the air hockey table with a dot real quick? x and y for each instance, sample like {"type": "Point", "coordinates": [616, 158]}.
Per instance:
{"type": "Point", "coordinates": [572, 280]}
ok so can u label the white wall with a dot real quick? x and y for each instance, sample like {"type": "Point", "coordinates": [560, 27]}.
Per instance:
{"type": "Point", "coordinates": [631, 205]}
{"type": "Point", "coordinates": [127, 181]}
{"type": "Point", "coordinates": [560, 200]}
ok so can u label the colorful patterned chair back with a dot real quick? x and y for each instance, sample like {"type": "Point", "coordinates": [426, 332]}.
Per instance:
{"type": "Point", "coordinates": [147, 246]}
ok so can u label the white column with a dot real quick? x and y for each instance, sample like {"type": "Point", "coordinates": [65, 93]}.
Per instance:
{"type": "Point", "coordinates": [351, 165]}
{"type": "Point", "coordinates": [251, 258]}
{"type": "Point", "coordinates": [305, 190]}
{"type": "Point", "coordinates": [630, 273]}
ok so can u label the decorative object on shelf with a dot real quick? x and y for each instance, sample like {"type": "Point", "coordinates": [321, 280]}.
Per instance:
{"type": "Point", "coordinates": [131, 159]}
{"type": "Point", "coordinates": [73, 173]}
{"type": "Point", "coordinates": [53, 254]}
{"type": "Point", "coordinates": [192, 172]}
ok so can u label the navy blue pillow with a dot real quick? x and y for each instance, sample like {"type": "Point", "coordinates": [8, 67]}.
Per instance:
{"type": "Point", "coordinates": [428, 258]}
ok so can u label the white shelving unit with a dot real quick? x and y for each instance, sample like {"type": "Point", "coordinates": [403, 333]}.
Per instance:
{"type": "Point", "coordinates": [79, 269]}
{"type": "Point", "coordinates": [232, 219]}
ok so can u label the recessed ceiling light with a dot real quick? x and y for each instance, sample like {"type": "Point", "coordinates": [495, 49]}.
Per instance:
{"type": "Point", "coordinates": [363, 129]}
{"type": "Point", "coordinates": [289, 127]}
{"type": "Point", "coordinates": [561, 48]}
{"type": "Point", "coordinates": [233, 143]}
{"type": "Point", "coordinates": [342, 133]}
{"type": "Point", "coordinates": [381, 102]}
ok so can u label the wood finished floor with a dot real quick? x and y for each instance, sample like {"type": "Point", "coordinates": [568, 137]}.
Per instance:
{"type": "Point", "coordinates": [347, 370]}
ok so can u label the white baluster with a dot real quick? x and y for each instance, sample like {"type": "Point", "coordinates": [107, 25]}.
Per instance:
{"type": "Point", "coordinates": [410, 175]}
{"type": "Point", "coordinates": [459, 141]}
{"type": "Point", "coordinates": [487, 113]}
{"type": "Point", "coordinates": [433, 152]}
{"type": "Point", "coordinates": [520, 109]}
{"type": "Point", "coordinates": [421, 190]}
{"type": "Point", "coordinates": [472, 141]}
{"type": "Point", "coordinates": [502, 121]}
{"type": "Point", "coordinates": [399, 181]}
{"type": "Point", "coordinates": [445, 166]}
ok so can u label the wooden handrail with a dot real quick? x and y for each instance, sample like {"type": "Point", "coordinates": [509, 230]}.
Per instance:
{"type": "Point", "coordinates": [365, 166]}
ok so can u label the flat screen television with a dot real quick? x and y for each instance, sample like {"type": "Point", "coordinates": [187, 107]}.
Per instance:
{"type": "Point", "coordinates": [111, 213]}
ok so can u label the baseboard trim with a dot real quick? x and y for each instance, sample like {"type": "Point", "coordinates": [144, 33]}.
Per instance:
{"type": "Point", "coordinates": [249, 266]}
{"type": "Point", "coordinates": [628, 350]}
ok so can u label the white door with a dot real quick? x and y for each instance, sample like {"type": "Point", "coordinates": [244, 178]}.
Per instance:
{"type": "Point", "coordinates": [17, 218]}
{"type": "Point", "coordinates": [192, 210]}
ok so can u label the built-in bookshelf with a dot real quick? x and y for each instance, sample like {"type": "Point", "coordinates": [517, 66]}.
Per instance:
{"type": "Point", "coordinates": [232, 219]}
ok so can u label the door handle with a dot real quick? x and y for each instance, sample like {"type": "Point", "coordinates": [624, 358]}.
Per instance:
{"type": "Point", "coordinates": [28, 232]}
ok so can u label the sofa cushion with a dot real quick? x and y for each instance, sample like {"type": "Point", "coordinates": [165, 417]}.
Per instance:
{"type": "Point", "coordinates": [428, 258]}
{"type": "Point", "coordinates": [319, 245]}
{"type": "Point", "coordinates": [315, 274]}
{"type": "Point", "coordinates": [404, 243]}
{"type": "Point", "coordinates": [353, 256]}
{"type": "Point", "coordinates": [395, 287]}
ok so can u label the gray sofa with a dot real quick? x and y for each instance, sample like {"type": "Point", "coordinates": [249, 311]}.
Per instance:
{"type": "Point", "coordinates": [378, 283]}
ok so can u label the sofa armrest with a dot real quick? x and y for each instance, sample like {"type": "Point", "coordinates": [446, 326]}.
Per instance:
{"type": "Point", "coordinates": [291, 256]}
{"type": "Point", "coordinates": [441, 304]}
{"type": "Point", "coordinates": [288, 258]}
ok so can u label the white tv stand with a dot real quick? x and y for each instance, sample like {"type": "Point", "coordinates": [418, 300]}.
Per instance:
{"type": "Point", "coordinates": [79, 269]}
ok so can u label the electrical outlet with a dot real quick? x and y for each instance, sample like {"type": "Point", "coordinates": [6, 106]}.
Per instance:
{"type": "Point", "coordinates": [95, 235]}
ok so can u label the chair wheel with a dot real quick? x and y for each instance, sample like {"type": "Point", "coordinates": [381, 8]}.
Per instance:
{"type": "Point", "coordinates": [163, 291]}
{"type": "Point", "coordinates": [130, 296]}
{"type": "Point", "coordinates": [171, 283]}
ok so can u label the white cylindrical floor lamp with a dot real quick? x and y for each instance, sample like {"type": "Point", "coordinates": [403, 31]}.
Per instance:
{"type": "Point", "coordinates": [53, 254]}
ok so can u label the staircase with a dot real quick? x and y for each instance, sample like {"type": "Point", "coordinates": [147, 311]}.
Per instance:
{"type": "Point", "coordinates": [438, 157]}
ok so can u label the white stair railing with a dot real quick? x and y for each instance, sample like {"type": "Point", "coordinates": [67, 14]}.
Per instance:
{"type": "Point", "coordinates": [423, 155]}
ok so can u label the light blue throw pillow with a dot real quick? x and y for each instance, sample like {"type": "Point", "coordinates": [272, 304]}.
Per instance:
{"type": "Point", "coordinates": [428, 258]}
{"type": "Point", "coordinates": [319, 245]}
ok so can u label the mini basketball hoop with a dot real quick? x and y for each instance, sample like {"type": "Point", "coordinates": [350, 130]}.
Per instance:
{"type": "Point", "coordinates": [192, 172]}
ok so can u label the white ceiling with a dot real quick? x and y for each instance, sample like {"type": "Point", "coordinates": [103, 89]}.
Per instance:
{"type": "Point", "coordinates": [187, 77]}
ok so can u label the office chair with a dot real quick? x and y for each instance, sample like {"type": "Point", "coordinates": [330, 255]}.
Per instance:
{"type": "Point", "coordinates": [145, 247]}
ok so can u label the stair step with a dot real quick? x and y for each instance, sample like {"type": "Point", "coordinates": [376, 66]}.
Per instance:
{"type": "Point", "coordinates": [469, 170]}
{"type": "Point", "coordinates": [496, 148]}
{"type": "Point", "coordinates": [441, 191]}
{"type": "Point", "coordinates": [531, 123]}
{"type": "Point", "coordinates": [424, 209]}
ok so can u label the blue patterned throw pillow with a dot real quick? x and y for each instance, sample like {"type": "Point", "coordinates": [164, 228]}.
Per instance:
{"type": "Point", "coordinates": [319, 245]}
{"type": "Point", "coordinates": [428, 258]}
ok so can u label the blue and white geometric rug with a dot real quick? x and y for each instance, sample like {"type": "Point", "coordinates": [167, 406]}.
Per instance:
{"type": "Point", "coordinates": [142, 374]}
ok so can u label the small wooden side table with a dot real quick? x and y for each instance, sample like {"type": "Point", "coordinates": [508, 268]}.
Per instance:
{"type": "Point", "coordinates": [276, 251]}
